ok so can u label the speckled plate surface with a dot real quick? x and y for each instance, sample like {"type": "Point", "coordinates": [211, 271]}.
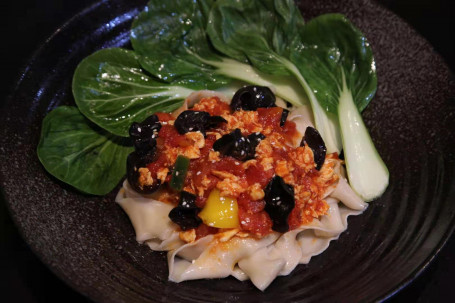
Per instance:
{"type": "Point", "coordinates": [89, 242]}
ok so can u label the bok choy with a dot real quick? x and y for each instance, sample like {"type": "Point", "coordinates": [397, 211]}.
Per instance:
{"type": "Point", "coordinates": [81, 154]}
{"type": "Point", "coordinates": [172, 43]}
{"type": "Point", "coordinates": [329, 57]}
{"type": "Point", "coordinates": [338, 63]}
{"type": "Point", "coordinates": [112, 90]}
{"type": "Point", "coordinates": [264, 33]}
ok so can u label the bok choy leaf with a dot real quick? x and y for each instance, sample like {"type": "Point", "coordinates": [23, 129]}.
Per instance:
{"type": "Point", "coordinates": [112, 90]}
{"type": "Point", "coordinates": [264, 32]}
{"type": "Point", "coordinates": [79, 153]}
{"type": "Point", "coordinates": [331, 60]}
{"type": "Point", "coordinates": [337, 62]}
{"type": "Point", "coordinates": [172, 44]}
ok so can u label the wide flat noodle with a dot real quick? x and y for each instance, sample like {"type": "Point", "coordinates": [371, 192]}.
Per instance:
{"type": "Point", "coordinates": [150, 219]}
{"type": "Point", "coordinates": [260, 260]}
{"type": "Point", "coordinates": [302, 117]}
{"type": "Point", "coordinates": [210, 257]}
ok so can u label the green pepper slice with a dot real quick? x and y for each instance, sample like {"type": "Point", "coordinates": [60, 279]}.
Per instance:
{"type": "Point", "coordinates": [179, 173]}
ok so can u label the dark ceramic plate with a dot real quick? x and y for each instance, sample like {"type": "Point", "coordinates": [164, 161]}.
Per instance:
{"type": "Point", "coordinates": [89, 241]}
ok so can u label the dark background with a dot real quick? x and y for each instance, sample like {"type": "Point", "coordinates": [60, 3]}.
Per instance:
{"type": "Point", "coordinates": [28, 23]}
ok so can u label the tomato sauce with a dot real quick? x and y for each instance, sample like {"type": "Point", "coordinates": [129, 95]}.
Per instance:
{"type": "Point", "coordinates": [201, 180]}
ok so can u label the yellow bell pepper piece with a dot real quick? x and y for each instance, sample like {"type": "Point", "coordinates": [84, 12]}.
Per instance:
{"type": "Point", "coordinates": [219, 211]}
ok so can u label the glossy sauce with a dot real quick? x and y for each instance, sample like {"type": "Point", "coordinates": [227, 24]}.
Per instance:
{"type": "Point", "coordinates": [201, 181]}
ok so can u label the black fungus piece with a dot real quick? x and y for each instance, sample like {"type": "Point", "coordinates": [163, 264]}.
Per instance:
{"type": "Point", "coordinates": [214, 121]}
{"type": "Point", "coordinates": [279, 202]}
{"type": "Point", "coordinates": [255, 139]}
{"type": "Point", "coordinates": [185, 214]}
{"type": "Point", "coordinates": [144, 135]}
{"type": "Point", "coordinates": [146, 129]}
{"type": "Point", "coordinates": [193, 121]}
{"type": "Point", "coordinates": [284, 116]}
{"type": "Point", "coordinates": [187, 200]}
{"type": "Point", "coordinates": [145, 146]}
{"type": "Point", "coordinates": [237, 146]}
{"type": "Point", "coordinates": [252, 97]}
{"type": "Point", "coordinates": [314, 140]}
{"type": "Point", "coordinates": [144, 140]}
{"type": "Point", "coordinates": [133, 163]}
{"type": "Point", "coordinates": [232, 144]}
{"type": "Point", "coordinates": [186, 218]}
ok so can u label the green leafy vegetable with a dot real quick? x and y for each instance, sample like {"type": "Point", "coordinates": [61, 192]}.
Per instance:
{"type": "Point", "coordinates": [77, 152]}
{"type": "Point", "coordinates": [333, 53]}
{"type": "Point", "coordinates": [111, 89]}
{"type": "Point", "coordinates": [170, 37]}
{"type": "Point", "coordinates": [337, 62]}
{"type": "Point", "coordinates": [172, 43]}
{"type": "Point", "coordinates": [261, 32]}
{"type": "Point", "coordinates": [329, 57]}
{"type": "Point", "coordinates": [265, 32]}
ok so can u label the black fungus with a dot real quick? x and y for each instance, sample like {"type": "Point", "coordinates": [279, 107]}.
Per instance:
{"type": "Point", "coordinates": [144, 140]}
{"type": "Point", "coordinates": [214, 121]}
{"type": "Point", "coordinates": [146, 129]}
{"type": "Point", "coordinates": [237, 146]}
{"type": "Point", "coordinates": [192, 121]}
{"type": "Point", "coordinates": [252, 97]}
{"type": "Point", "coordinates": [186, 218]}
{"type": "Point", "coordinates": [255, 139]}
{"type": "Point", "coordinates": [144, 136]}
{"type": "Point", "coordinates": [187, 200]}
{"type": "Point", "coordinates": [279, 202]}
{"type": "Point", "coordinates": [133, 163]}
{"type": "Point", "coordinates": [314, 140]}
{"type": "Point", "coordinates": [284, 116]}
{"type": "Point", "coordinates": [185, 214]}
{"type": "Point", "coordinates": [145, 146]}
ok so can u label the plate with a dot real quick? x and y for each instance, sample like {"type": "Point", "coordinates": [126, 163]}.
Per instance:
{"type": "Point", "coordinates": [89, 242]}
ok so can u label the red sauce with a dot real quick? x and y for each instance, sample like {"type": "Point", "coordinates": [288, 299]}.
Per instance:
{"type": "Point", "coordinates": [171, 137]}
{"type": "Point", "coordinates": [159, 163]}
{"type": "Point", "coordinates": [256, 223]}
{"type": "Point", "coordinates": [256, 174]}
{"type": "Point", "coordinates": [295, 218]}
{"type": "Point", "coordinates": [251, 214]}
{"type": "Point", "coordinates": [244, 201]}
{"type": "Point", "coordinates": [203, 230]}
{"type": "Point", "coordinates": [164, 117]}
{"type": "Point", "coordinates": [270, 117]}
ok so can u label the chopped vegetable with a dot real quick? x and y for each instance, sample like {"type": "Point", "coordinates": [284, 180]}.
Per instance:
{"type": "Point", "coordinates": [219, 211]}
{"type": "Point", "coordinates": [179, 173]}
